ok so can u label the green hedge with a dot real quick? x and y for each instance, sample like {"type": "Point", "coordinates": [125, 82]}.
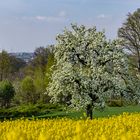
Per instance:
{"type": "Point", "coordinates": [29, 110]}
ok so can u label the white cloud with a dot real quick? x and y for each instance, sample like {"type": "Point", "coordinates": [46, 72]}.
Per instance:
{"type": "Point", "coordinates": [55, 19]}
{"type": "Point", "coordinates": [40, 17]}
{"type": "Point", "coordinates": [50, 18]}
{"type": "Point", "coordinates": [45, 18]}
{"type": "Point", "coordinates": [60, 17]}
{"type": "Point", "coordinates": [62, 14]}
{"type": "Point", "coordinates": [103, 16]}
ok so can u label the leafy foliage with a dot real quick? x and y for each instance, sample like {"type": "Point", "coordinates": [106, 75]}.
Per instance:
{"type": "Point", "coordinates": [50, 65]}
{"type": "Point", "coordinates": [130, 33]}
{"type": "Point", "coordinates": [28, 92]}
{"type": "Point", "coordinates": [40, 58]}
{"type": "Point", "coordinates": [4, 65]}
{"type": "Point", "coordinates": [6, 93]}
{"type": "Point", "coordinates": [88, 68]}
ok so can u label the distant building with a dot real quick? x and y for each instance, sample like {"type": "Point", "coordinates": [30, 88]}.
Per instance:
{"type": "Point", "coordinates": [23, 55]}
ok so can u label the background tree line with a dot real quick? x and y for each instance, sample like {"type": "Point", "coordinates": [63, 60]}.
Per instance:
{"type": "Point", "coordinates": [29, 80]}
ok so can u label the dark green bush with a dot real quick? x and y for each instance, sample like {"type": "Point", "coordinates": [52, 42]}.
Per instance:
{"type": "Point", "coordinates": [7, 93]}
{"type": "Point", "coordinates": [29, 110]}
{"type": "Point", "coordinates": [115, 103]}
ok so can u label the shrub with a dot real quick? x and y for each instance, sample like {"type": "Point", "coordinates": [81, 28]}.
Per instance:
{"type": "Point", "coordinates": [7, 92]}
{"type": "Point", "coordinates": [28, 92]}
{"type": "Point", "coordinates": [115, 103]}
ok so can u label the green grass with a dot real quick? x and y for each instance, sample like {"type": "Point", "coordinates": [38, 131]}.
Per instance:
{"type": "Point", "coordinates": [54, 111]}
{"type": "Point", "coordinates": [108, 111]}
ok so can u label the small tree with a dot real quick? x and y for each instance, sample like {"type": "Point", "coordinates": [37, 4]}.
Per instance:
{"type": "Point", "coordinates": [130, 33]}
{"type": "Point", "coordinates": [50, 64]}
{"type": "Point", "coordinates": [28, 92]}
{"type": "Point", "coordinates": [40, 58]}
{"type": "Point", "coordinates": [5, 66]}
{"type": "Point", "coordinates": [88, 69]}
{"type": "Point", "coordinates": [7, 92]}
{"type": "Point", "coordinates": [16, 65]}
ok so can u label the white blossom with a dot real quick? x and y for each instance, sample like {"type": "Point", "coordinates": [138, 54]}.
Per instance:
{"type": "Point", "coordinates": [87, 64]}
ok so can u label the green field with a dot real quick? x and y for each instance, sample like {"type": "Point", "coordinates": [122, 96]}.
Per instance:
{"type": "Point", "coordinates": [54, 111]}
{"type": "Point", "coordinates": [108, 111]}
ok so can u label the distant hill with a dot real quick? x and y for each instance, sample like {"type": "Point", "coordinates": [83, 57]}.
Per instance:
{"type": "Point", "coordinates": [23, 55]}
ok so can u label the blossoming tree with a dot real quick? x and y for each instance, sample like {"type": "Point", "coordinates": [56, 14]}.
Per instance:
{"type": "Point", "coordinates": [88, 69]}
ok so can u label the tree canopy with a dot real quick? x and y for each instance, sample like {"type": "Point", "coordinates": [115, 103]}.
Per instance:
{"type": "Point", "coordinates": [7, 92]}
{"type": "Point", "coordinates": [130, 33]}
{"type": "Point", "coordinates": [28, 92]}
{"type": "Point", "coordinates": [4, 65]}
{"type": "Point", "coordinates": [88, 68]}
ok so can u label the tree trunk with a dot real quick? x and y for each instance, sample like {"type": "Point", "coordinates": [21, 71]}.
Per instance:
{"type": "Point", "coordinates": [89, 111]}
{"type": "Point", "coordinates": [1, 77]}
{"type": "Point", "coordinates": [139, 65]}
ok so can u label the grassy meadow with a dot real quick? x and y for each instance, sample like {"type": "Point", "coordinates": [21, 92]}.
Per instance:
{"type": "Point", "coordinates": [54, 111]}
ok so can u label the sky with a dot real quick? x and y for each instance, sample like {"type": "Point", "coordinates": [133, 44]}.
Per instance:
{"type": "Point", "coordinates": [28, 24]}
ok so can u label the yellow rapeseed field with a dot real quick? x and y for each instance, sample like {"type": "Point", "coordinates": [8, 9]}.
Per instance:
{"type": "Point", "coordinates": [123, 127]}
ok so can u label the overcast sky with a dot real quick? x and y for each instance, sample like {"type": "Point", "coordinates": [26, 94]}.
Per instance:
{"type": "Point", "coordinates": [28, 24]}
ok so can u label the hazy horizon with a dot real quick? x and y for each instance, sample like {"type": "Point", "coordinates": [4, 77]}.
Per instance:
{"type": "Point", "coordinates": [28, 24]}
